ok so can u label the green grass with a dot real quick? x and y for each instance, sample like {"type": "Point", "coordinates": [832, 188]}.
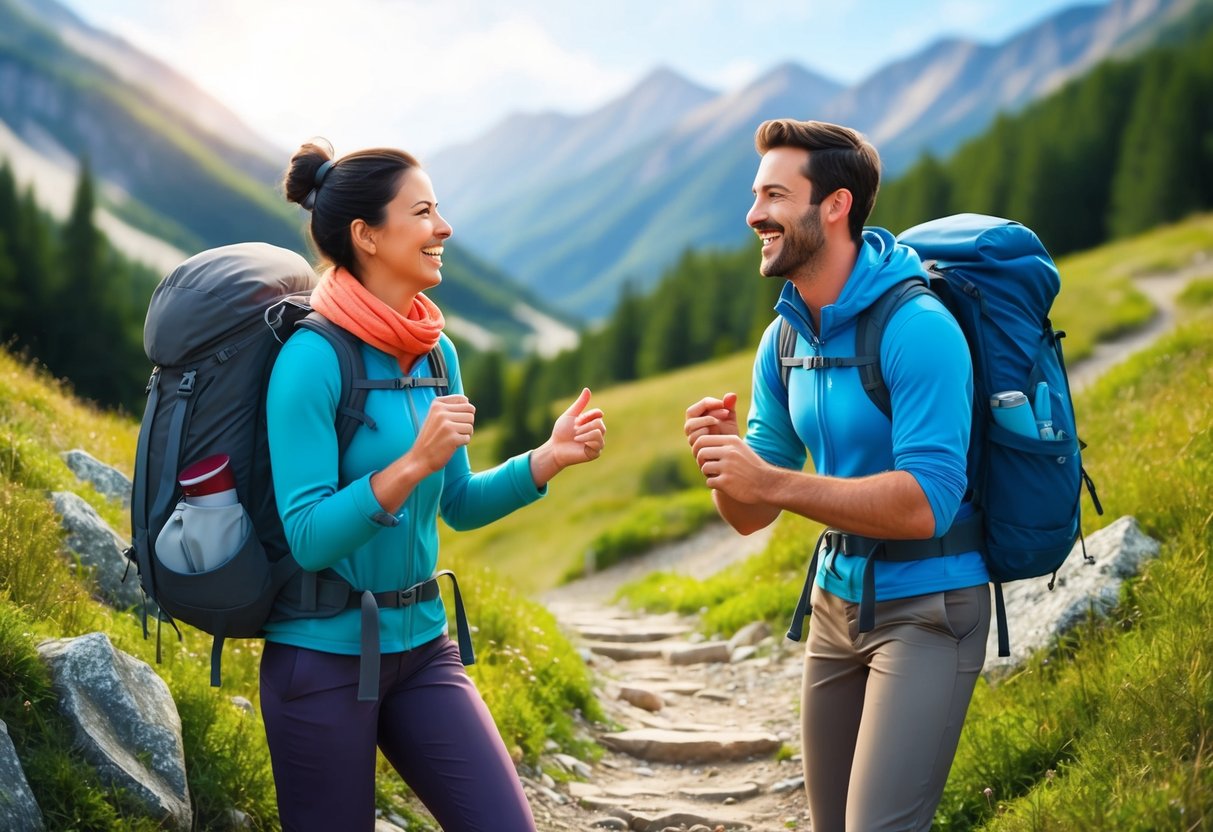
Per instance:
{"type": "Point", "coordinates": [1111, 729]}
{"type": "Point", "coordinates": [1097, 299]}
{"type": "Point", "coordinates": [537, 687]}
{"type": "Point", "coordinates": [650, 521]}
{"type": "Point", "coordinates": [1120, 715]}
{"type": "Point", "coordinates": [1198, 293]}
{"type": "Point", "coordinates": [543, 545]}
{"type": "Point", "coordinates": [535, 548]}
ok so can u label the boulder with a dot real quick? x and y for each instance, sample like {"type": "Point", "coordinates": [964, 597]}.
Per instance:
{"type": "Point", "coordinates": [19, 811]}
{"type": "Point", "coordinates": [99, 549]}
{"type": "Point", "coordinates": [124, 721]}
{"type": "Point", "coordinates": [1037, 615]}
{"type": "Point", "coordinates": [109, 481]}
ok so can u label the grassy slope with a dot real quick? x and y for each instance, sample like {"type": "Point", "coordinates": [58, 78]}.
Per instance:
{"type": "Point", "coordinates": [521, 670]}
{"type": "Point", "coordinates": [1111, 729]}
{"type": "Point", "coordinates": [530, 676]}
{"type": "Point", "coordinates": [536, 547]}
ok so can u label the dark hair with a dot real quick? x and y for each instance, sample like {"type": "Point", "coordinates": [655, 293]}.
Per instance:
{"type": "Point", "coordinates": [839, 157]}
{"type": "Point", "coordinates": [356, 186]}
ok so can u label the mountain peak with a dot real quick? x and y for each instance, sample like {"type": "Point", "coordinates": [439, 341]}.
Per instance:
{"type": "Point", "coordinates": [664, 80]}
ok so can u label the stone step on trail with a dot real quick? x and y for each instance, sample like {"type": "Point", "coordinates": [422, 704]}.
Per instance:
{"type": "Point", "coordinates": [631, 635]}
{"type": "Point", "coordinates": [665, 745]}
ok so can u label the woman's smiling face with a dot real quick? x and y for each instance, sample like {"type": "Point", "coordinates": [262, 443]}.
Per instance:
{"type": "Point", "coordinates": [409, 242]}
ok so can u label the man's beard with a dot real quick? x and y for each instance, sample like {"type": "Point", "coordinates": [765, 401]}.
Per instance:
{"type": "Point", "coordinates": [800, 248]}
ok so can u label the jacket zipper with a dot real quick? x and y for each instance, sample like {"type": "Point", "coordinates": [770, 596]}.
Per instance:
{"type": "Point", "coordinates": [412, 541]}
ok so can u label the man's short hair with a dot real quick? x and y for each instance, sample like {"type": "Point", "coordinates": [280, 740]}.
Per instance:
{"type": "Point", "coordinates": [839, 157]}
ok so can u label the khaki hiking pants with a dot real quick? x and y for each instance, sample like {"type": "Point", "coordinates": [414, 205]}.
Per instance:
{"type": "Point", "coordinates": [882, 711]}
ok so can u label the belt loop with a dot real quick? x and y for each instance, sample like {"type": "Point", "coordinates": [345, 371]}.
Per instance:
{"type": "Point", "coordinates": [368, 663]}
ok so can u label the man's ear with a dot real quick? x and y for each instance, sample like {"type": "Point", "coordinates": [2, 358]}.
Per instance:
{"type": "Point", "coordinates": [363, 237]}
{"type": "Point", "coordinates": [838, 205]}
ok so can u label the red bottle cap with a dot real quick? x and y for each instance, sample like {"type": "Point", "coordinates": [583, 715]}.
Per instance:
{"type": "Point", "coordinates": [208, 476]}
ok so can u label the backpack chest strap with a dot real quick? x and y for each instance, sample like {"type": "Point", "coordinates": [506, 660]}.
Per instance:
{"type": "Point", "coordinates": [821, 362]}
{"type": "Point", "coordinates": [398, 383]}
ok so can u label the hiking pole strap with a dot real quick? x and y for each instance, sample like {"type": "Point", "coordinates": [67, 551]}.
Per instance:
{"type": "Point", "coordinates": [867, 599]}
{"type": "Point", "coordinates": [368, 664]}
{"type": "Point", "coordinates": [804, 606]}
{"type": "Point", "coordinates": [371, 602]}
{"type": "Point", "coordinates": [216, 659]}
{"type": "Point", "coordinates": [466, 654]}
{"type": "Point", "coordinates": [1000, 614]}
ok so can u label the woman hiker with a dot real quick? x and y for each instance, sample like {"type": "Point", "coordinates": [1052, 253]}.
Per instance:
{"type": "Point", "coordinates": [371, 518]}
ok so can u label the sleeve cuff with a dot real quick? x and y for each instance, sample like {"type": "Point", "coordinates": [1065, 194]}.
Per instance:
{"type": "Point", "coordinates": [524, 484]}
{"type": "Point", "coordinates": [368, 506]}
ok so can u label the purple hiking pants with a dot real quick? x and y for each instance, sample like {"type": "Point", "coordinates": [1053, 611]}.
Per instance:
{"type": "Point", "coordinates": [429, 721]}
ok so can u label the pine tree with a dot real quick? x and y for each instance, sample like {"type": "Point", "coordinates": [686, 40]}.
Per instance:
{"type": "Point", "coordinates": [486, 385]}
{"type": "Point", "coordinates": [518, 431]}
{"type": "Point", "coordinates": [1162, 150]}
{"type": "Point", "coordinates": [623, 335]}
{"type": "Point", "coordinates": [88, 325]}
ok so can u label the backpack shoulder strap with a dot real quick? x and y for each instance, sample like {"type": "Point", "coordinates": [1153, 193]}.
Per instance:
{"type": "Point", "coordinates": [787, 349]}
{"type": "Point", "coordinates": [869, 330]}
{"type": "Point", "coordinates": [440, 370]}
{"type": "Point", "coordinates": [351, 406]}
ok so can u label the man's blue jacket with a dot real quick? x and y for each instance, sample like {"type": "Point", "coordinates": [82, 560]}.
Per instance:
{"type": "Point", "coordinates": [925, 362]}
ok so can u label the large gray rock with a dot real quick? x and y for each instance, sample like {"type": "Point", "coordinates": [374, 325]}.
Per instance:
{"type": "Point", "coordinates": [1036, 615]}
{"type": "Point", "coordinates": [19, 811]}
{"type": "Point", "coordinates": [99, 549]}
{"type": "Point", "coordinates": [125, 723]}
{"type": "Point", "coordinates": [109, 481]}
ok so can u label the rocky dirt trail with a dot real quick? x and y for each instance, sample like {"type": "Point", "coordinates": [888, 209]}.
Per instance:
{"type": "Point", "coordinates": [708, 736]}
{"type": "Point", "coordinates": [707, 732]}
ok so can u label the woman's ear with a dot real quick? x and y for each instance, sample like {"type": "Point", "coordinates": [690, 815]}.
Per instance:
{"type": "Point", "coordinates": [363, 237]}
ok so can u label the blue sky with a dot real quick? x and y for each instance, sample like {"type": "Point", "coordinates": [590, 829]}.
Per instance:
{"type": "Point", "coordinates": [422, 75]}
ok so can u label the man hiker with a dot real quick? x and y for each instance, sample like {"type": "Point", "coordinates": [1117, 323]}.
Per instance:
{"type": "Point", "coordinates": [883, 702]}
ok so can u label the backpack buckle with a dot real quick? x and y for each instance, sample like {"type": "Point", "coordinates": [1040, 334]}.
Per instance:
{"type": "Point", "coordinates": [408, 596]}
{"type": "Point", "coordinates": [186, 387]}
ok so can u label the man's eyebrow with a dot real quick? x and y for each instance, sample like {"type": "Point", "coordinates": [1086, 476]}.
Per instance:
{"type": "Point", "coordinates": [770, 186]}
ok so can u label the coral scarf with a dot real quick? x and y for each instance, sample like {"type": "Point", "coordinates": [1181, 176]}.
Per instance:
{"type": "Point", "coordinates": [347, 303]}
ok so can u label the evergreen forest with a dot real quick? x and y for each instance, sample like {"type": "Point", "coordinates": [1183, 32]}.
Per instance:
{"type": "Point", "coordinates": [1125, 148]}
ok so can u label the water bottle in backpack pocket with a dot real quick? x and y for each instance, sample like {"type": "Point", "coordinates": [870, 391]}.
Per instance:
{"type": "Point", "coordinates": [208, 525]}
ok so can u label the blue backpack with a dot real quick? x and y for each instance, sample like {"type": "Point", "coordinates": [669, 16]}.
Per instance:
{"type": "Point", "coordinates": [998, 281]}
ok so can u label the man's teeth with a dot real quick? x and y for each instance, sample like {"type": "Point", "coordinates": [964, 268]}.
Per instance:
{"type": "Point", "coordinates": [436, 251]}
{"type": "Point", "coordinates": [767, 239]}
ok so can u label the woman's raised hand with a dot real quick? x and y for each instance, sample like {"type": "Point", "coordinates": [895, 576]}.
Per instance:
{"type": "Point", "coordinates": [578, 435]}
{"type": "Point", "coordinates": [448, 425]}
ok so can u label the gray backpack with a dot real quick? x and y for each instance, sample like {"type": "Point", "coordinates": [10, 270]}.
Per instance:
{"type": "Point", "coordinates": [213, 329]}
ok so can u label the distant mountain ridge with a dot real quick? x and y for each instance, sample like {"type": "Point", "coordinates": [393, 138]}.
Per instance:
{"type": "Point", "coordinates": [173, 162]}
{"type": "Point", "coordinates": [528, 150]}
{"type": "Point", "coordinates": [577, 239]}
